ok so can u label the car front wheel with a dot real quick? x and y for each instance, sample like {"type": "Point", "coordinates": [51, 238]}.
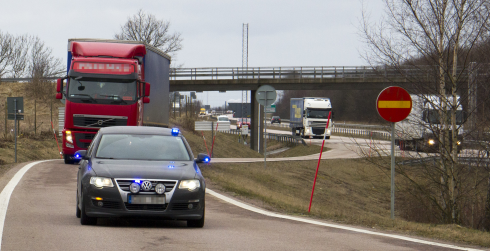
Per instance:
{"type": "Point", "coordinates": [79, 212]}
{"type": "Point", "coordinates": [197, 223]}
{"type": "Point", "coordinates": [84, 218]}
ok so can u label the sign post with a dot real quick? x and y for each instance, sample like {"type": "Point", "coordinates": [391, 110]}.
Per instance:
{"type": "Point", "coordinates": [15, 105]}
{"type": "Point", "coordinates": [394, 104]}
{"type": "Point", "coordinates": [266, 95]}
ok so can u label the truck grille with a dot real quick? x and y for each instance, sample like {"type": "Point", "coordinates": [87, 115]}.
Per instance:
{"type": "Point", "coordinates": [86, 136]}
{"type": "Point", "coordinates": [124, 185]}
{"type": "Point", "coordinates": [318, 130]}
{"type": "Point", "coordinates": [95, 121]}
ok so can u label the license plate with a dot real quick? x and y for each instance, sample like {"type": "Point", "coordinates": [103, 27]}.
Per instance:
{"type": "Point", "coordinates": [146, 199]}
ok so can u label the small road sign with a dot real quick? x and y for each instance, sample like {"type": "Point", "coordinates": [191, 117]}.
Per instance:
{"type": "Point", "coordinates": [266, 95]}
{"type": "Point", "coordinates": [394, 104]}
{"type": "Point", "coordinates": [270, 109]}
{"type": "Point", "coordinates": [15, 102]}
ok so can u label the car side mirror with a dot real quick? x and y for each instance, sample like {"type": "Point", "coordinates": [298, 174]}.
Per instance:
{"type": "Point", "coordinates": [59, 83]}
{"type": "Point", "coordinates": [146, 100]}
{"type": "Point", "coordinates": [203, 158]}
{"type": "Point", "coordinates": [59, 95]}
{"type": "Point", "coordinates": [147, 89]}
{"type": "Point", "coordinates": [81, 154]}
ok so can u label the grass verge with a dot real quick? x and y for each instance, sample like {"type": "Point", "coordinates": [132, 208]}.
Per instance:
{"type": "Point", "coordinates": [347, 191]}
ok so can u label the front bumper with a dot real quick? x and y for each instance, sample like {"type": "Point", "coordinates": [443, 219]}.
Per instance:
{"type": "Point", "coordinates": [114, 205]}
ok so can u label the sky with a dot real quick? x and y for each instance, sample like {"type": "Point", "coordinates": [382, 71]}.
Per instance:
{"type": "Point", "coordinates": [281, 32]}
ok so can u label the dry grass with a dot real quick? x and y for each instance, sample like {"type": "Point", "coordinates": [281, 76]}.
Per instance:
{"type": "Point", "coordinates": [28, 149]}
{"type": "Point", "coordinates": [347, 191]}
{"type": "Point", "coordinates": [43, 110]}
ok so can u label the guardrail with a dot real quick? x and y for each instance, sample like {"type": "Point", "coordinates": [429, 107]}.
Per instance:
{"type": "Point", "coordinates": [472, 161]}
{"type": "Point", "coordinates": [284, 138]}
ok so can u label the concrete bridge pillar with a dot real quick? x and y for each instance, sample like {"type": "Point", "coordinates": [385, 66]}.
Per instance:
{"type": "Point", "coordinates": [255, 134]}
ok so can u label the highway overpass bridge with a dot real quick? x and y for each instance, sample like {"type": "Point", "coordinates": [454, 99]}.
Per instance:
{"type": "Point", "coordinates": [286, 78]}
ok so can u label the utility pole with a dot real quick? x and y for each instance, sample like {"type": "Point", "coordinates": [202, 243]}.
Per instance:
{"type": "Point", "coordinates": [244, 63]}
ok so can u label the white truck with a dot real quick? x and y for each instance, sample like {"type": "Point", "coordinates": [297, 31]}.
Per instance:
{"type": "Point", "coordinates": [308, 117]}
{"type": "Point", "coordinates": [416, 132]}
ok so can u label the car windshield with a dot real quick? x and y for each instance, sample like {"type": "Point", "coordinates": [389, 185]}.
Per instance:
{"type": "Point", "coordinates": [142, 147]}
{"type": "Point", "coordinates": [102, 90]}
{"type": "Point", "coordinates": [433, 117]}
{"type": "Point", "coordinates": [317, 113]}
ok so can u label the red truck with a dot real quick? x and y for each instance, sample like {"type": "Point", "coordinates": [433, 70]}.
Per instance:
{"type": "Point", "coordinates": [107, 84]}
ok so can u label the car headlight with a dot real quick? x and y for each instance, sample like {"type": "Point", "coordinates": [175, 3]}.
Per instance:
{"type": "Point", "coordinates": [190, 184]}
{"type": "Point", "coordinates": [101, 182]}
{"type": "Point", "coordinates": [459, 142]}
{"type": "Point", "coordinates": [431, 142]}
{"type": "Point", "coordinates": [68, 137]}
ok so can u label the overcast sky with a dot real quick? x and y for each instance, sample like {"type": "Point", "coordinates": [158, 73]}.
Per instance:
{"type": "Point", "coordinates": [281, 33]}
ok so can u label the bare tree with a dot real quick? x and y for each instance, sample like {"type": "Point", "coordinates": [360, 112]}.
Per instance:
{"type": "Point", "coordinates": [432, 44]}
{"type": "Point", "coordinates": [147, 28]}
{"type": "Point", "coordinates": [13, 54]}
{"type": "Point", "coordinates": [41, 65]}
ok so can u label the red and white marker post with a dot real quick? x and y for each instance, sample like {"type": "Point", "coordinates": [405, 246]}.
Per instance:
{"type": "Point", "coordinates": [394, 104]}
{"type": "Point", "coordinates": [319, 159]}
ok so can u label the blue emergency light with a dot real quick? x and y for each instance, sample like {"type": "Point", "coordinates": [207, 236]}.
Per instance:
{"type": "Point", "coordinates": [175, 131]}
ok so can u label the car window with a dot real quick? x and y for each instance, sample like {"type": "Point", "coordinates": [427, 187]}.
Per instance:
{"type": "Point", "coordinates": [142, 147]}
{"type": "Point", "coordinates": [91, 146]}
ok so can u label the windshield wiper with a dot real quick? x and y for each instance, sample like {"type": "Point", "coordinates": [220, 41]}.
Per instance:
{"type": "Point", "coordinates": [85, 95]}
{"type": "Point", "coordinates": [115, 96]}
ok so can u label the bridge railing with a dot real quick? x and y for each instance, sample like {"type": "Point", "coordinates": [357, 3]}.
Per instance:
{"type": "Point", "coordinates": [300, 72]}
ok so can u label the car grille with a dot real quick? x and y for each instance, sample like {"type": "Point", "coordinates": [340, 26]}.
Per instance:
{"type": "Point", "coordinates": [184, 206]}
{"type": "Point", "coordinates": [318, 130]}
{"type": "Point", "coordinates": [79, 136]}
{"type": "Point", "coordinates": [107, 204]}
{"type": "Point", "coordinates": [98, 121]}
{"type": "Point", "coordinates": [124, 185]}
{"type": "Point", "coordinates": [156, 207]}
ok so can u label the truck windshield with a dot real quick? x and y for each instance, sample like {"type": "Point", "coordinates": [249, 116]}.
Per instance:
{"type": "Point", "coordinates": [104, 91]}
{"type": "Point", "coordinates": [317, 113]}
{"type": "Point", "coordinates": [433, 117]}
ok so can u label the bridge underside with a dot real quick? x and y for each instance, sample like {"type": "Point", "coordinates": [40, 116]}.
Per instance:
{"type": "Point", "coordinates": [285, 84]}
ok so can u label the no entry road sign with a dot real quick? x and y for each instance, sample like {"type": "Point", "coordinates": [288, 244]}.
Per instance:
{"type": "Point", "coordinates": [394, 104]}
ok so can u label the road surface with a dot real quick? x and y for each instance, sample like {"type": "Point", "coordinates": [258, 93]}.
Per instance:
{"type": "Point", "coordinates": [41, 216]}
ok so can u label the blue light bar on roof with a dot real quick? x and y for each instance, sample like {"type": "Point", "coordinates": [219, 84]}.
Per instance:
{"type": "Point", "coordinates": [175, 131]}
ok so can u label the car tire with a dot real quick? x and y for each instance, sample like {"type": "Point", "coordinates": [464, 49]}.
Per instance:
{"type": "Point", "coordinates": [197, 223]}
{"type": "Point", "coordinates": [84, 218]}
{"type": "Point", "coordinates": [67, 159]}
{"type": "Point", "coordinates": [78, 212]}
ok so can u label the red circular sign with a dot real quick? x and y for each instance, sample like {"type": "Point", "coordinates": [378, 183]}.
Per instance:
{"type": "Point", "coordinates": [394, 104]}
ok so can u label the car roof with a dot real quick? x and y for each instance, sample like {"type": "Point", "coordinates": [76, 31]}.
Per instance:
{"type": "Point", "coordinates": [136, 130]}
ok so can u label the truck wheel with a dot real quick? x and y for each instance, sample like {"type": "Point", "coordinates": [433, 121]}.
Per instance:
{"type": "Point", "coordinates": [67, 159]}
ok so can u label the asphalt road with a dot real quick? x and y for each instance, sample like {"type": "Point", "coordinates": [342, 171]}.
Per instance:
{"type": "Point", "coordinates": [41, 216]}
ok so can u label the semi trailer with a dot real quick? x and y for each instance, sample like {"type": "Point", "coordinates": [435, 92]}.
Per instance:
{"type": "Point", "coordinates": [419, 131]}
{"type": "Point", "coordinates": [309, 116]}
{"type": "Point", "coordinates": [108, 84]}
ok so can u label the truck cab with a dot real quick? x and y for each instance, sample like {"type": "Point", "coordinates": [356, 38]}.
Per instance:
{"type": "Point", "coordinates": [105, 86]}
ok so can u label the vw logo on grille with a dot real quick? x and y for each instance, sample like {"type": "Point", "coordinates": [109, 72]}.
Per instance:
{"type": "Point", "coordinates": [100, 122]}
{"type": "Point", "coordinates": [146, 185]}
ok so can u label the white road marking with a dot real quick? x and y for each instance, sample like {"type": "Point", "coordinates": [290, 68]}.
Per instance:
{"type": "Point", "coordinates": [267, 213]}
{"type": "Point", "coordinates": [7, 192]}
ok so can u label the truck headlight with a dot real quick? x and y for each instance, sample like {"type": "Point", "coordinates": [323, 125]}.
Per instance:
{"type": "Point", "coordinates": [68, 137]}
{"type": "Point", "coordinates": [101, 182]}
{"type": "Point", "coordinates": [431, 142]}
{"type": "Point", "coordinates": [189, 184]}
{"type": "Point", "coordinates": [328, 131]}
{"type": "Point", "coordinates": [459, 142]}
